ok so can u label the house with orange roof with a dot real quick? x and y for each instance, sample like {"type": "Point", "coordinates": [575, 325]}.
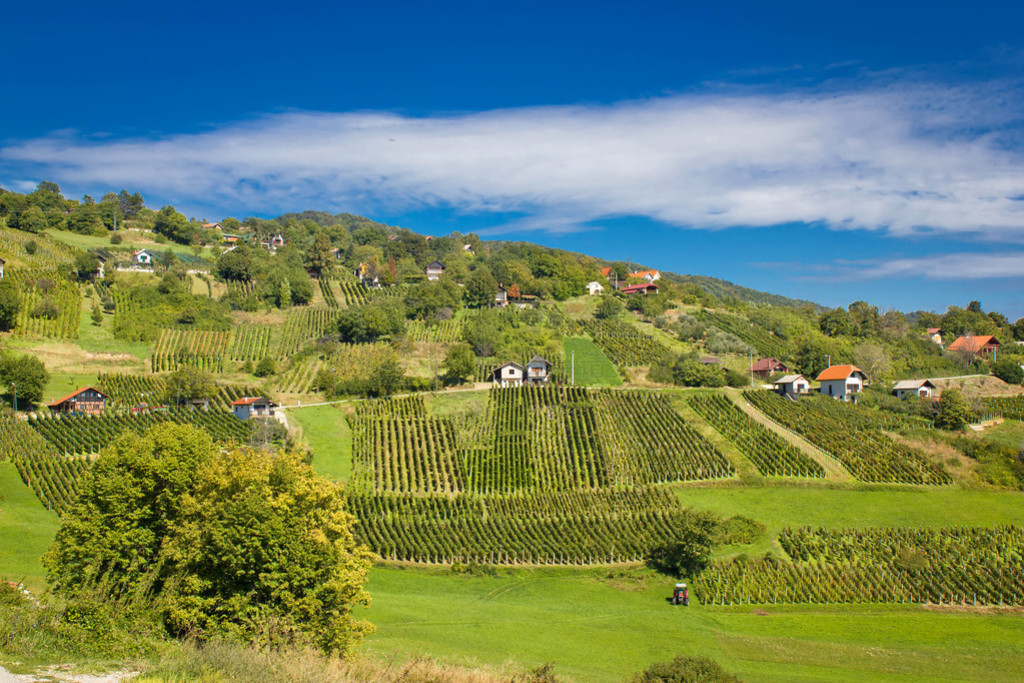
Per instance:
{"type": "Point", "coordinates": [646, 275]}
{"type": "Point", "coordinates": [935, 334]}
{"type": "Point", "coordinates": [980, 345]}
{"type": "Point", "coordinates": [843, 382]}
{"type": "Point", "coordinates": [213, 226]}
{"type": "Point", "coordinates": [645, 289]}
{"type": "Point", "coordinates": [87, 401]}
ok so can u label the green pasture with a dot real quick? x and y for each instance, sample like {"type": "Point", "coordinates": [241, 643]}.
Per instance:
{"type": "Point", "coordinates": [605, 625]}
{"type": "Point", "coordinates": [132, 241]}
{"type": "Point", "coordinates": [327, 432]}
{"type": "Point", "coordinates": [592, 367]}
{"type": "Point", "coordinates": [26, 529]}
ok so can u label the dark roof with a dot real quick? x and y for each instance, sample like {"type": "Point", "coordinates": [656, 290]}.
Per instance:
{"type": "Point", "coordinates": [73, 394]}
{"type": "Point", "coordinates": [647, 286]}
{"type": "Point", "coordinates": [766, 365]}
{"type": "Point", "coordinates": [435, 264]}
{"type": "Point", "coordinates": [542, 360]}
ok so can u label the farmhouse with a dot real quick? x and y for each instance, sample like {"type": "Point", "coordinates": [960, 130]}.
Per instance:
{"type": "Point", "coordinates": [981, 345]}
{"type": "Point", "coordinates": [843, 382]}
{"type": "Point", "coordinates": [935, 334]}
{"type": "Point", "coordinates": [644, 289]}
{"type": "Point", "coordinates": [103, 258]}
{"type": "Point", "coordinates": [272, 242]}
{"type": "Point", "coordinates": [913, 387]}
{"type": "Point", "coordinates": [768, 366]}
{"type": "Point", "coordinates": [468, 248]}
{"type": "Point", "coordinates": [501, 298]}
{"type": "Point", "coordinates": [87, 401]}
{"type": "Point", "coordinates": [253, 406]}
{"type": "Point", "coordinates": [594, 288]}
{"type": "Point", "coordinates": [213, 226]}
{"type": "Point", "coordinates": [508, 374]}
{"type": "Point", "coordinates": [646, 275]}
{"type": "Point", "coordinates": [435, 270]}
{"type": "Point", "coordinates": [792, 386]}
{"type": "Point", "coordinates": [144, 258]}
{"type": "Point", "coordinates": [538, 370]}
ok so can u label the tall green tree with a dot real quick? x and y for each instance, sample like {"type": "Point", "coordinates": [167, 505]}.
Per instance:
{"type": "Point", "coordinates": [10, 304]}
{"type": "Point", "coordinates": [459, 363]}
{"type": "Point", "coordinates": [481, 288]}
{"type": "Point", "coordinates": [24, 374]}
{"type": "Point", "coordinates": [320, 257]}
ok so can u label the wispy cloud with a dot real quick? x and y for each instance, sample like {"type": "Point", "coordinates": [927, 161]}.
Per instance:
{"type": "Point", "coordinates": [903, 158]}
{"type": "Point", "coordinates": [939, 267]}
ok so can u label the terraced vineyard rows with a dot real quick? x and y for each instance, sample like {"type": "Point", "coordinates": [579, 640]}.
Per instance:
{"type": "Point", "coordinates": [330, 300]}
{"type": "Point", "coordinates": [89, 434]}
{"type": "Point", "coordinates": [352, 293]}
{"type": "Point", "coordinates": [1010, 407]}
{"type": "Point", "coordinates": [953, 565]}
{"type": "Point", "coordinates": [551, 475]}
{"type": "Point", "coordinates": [868, 454]}
{"type": "Point", "coordinates": [624, 344]}
{"type": "Point", "coordinates": [251, 342]}
{"type": "Point", "coordinates": [563, 528]}
{"type": "Point", "coordinates": [130, 390]}
{"type": "Point", "coordinates": [441, 331]}
{"type": "Point", "coordinates": [766, 343]}
{"type": "Point", "coordinates": [305, 324]}
{"type": "Point", "coordinates": [50, 304]}
{"type": "Point", "coordinates": [771, 454]}
{"type": "Point", "coordinates": [300, 376]}
{"type": "Point", "coordinates": [52, 477]}
{"type": "Point", "coordinates": [48, 254]}
{"type": "Point", "coordinates": [203, 349]}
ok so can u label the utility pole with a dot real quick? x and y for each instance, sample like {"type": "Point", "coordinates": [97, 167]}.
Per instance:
{"type": "Point", "coordinates": [573, 366]}
{"type": "Point", "coordinates": [15, 386]}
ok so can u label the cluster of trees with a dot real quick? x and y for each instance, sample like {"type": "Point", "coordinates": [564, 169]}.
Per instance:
{"type": "Point", "coordinates": [23, 376]}
{"type": "Point", "coordinates": [237, 544]}
{"type": "Point", "coordinates": [47, 208]}
{"type": "Point", "coordinates": [687, 370]}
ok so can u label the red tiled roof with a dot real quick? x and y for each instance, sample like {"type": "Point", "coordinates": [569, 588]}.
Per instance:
{"type": "Point", "coordinates": [606, 271]}
{"type": "Point", "coordinates": [73, 394]}
{"type": "Point", "coordinates": [766, 365]}
{"type": "Point", "coordinates": [839, 372]}
{"type": "Point", "coordinates": [630, 289]}
{"type": "Point", "coordinates": [644, 273]}
{"type": "Point", "coordinates": [249, 400]}
{"type": "Point", "coordinates": [973, 344]}
{"type": "Point", "coordinates": [934, 330]}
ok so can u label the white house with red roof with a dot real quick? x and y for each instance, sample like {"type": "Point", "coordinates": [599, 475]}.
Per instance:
{"type": "Point", "coordinates": [843, 382]}
{"type": "Point", "coordinates": [646, 275]}
{"type": "Point", "coordinates": [253, 406]}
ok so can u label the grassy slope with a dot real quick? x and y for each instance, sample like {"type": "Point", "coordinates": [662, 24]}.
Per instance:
{"type": "Point", "coordinates": [592, 367]}
{"type": "Point", "coordinates": [327, 433]}
{"type": "Point", "coordinates": [599, 630]}
{"type": "Point", "coordinates": [132, 240]}
{"type": "Point", "coordinates": [26, 529]}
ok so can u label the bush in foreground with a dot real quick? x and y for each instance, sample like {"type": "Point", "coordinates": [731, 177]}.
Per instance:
{"type": "Point", "coordinates": [686, 670]}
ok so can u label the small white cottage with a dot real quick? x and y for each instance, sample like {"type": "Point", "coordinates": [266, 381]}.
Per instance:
{"type": "Point", "coordinates": [253, 406]}
{"type": "Point", "coordinates": [538, 370]}
{"type": "Point", "coordinates": [594, 288]}
{"type": "Point", "coordinates": [843, 382]}
{"type": "Point", "coordinates": [792, 385]}
{"type": "Point", "coordinates": [508, 374]}
{"type": "Point", "coordinates": [143, 257]}
{"type": "Point", "coordinates": [912, 387]}
{"type": "Point", "coordinates": [435, 270]}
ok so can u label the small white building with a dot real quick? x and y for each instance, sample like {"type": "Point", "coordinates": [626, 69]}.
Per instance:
{"type": "Point", "coordinates": [435, 270]}
{"type": "Point", "coordinates": [508, 374]}
{"type": "Point", "coordinates": [144, 258]}
{"type": "Point", "coordinates": [646, 275]}
{"type": "Point", "coordinates": [912, 387]}
{"type": "Point", "coordinates": [2, 262]}
{"type": "Point", "coordinates": [792, 385]}
{"type": "Point", "coordinates": [501, 298]}
{"type": "Point", "coordinates": [102, 272]}
{"type": "Point", "coordinates": [842, 382]}
{"type": "Point", "coordinates": [594, 288]}
{"type": "Point", "coordinates": [253, 406]}
{"type": "Point", "coordinates": [538, 370]}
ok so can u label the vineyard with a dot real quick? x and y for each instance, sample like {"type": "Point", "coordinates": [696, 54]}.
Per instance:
{"type": "Point", "coordinates": [549, 475]}
{"type": "Point", "coordinates": [52, 477]}
{"type": "Point", "coordinates": [50, 307]}
{"type": "Point", "coordinates": [305, 324]}
{"type": "Point", "coordinates": [865, 451]}
{"type": "Point", "coordinates": [766, 343]}
{"type": "Point", "coordinates": [300, 376]}
{"type": "Point", "coordinates": [1010, 407]}
{"type": "Point", "coordinates": [769, 452]}
{"type": "Point", "coordinates": [48, 255]}
{"type": "Point", "coordinates": [86, 435]}
{"type": "Point", "coordinates": [130, 390]}
{"type": "Point", "coordinates": [440, 331]}
{"type": "Point", "coordinates": [955, 565]}
{"type": "Point", "coordinates": [485, 367]}
{"type": "Point", "coordinates": [251, 342]}
{"type": "Point", "coordinates": [199, 348]}
{"type": "Point", "coordinates": [563, 528]}
{"type": "Point", "coordinates": [624, 344]}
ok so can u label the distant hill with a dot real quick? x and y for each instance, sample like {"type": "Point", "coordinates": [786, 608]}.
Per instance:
{"type": "Point", "coordinates": [725, 289]}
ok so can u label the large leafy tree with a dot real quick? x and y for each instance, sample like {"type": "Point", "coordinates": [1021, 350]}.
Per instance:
{"type": "Point", "coordinates": [10, 304]}
{"type": "Point", "coordinates": [239, 544]}
{"type": "Point", "coordinates": [481, 288]}
{"type": "Point", "coordinates": [26, 375]}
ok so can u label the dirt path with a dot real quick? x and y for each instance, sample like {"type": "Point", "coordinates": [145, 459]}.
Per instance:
{"type": "Point", "coordinates": [739, 460]}
{"type": "Point", "coordinates": [834, 470]}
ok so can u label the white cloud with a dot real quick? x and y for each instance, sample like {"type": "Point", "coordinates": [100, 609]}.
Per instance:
{"type": "Point", "coordinates": [945, 267]}
{"type": "Point", "coordinates": [901, 158]}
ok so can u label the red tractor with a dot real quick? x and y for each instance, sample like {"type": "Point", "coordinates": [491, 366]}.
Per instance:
{"type": "Point", "coordinates": [681, 595]}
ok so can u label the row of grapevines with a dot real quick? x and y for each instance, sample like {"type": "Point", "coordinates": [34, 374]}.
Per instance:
{"type": "Point", "coordinates": [126, 390]}
{"type": "Point", "coordinates": [51, 476]}
{"type": "Point", "coordinates": [771, 454]}
{"type": "Point", "coordinates": [953, 565]}
{"type": "Point", "coordinates": [441, 331]}
{"type": "Point", "coordinates": [300, 376]}
{"type": "Point", "coordinates": [328, 293]}
{"type": "Point", "coordinates": [766, 343]}
{"type": "Point", "coordinates": [251, 342]}
{"type": "Point", "coordinates": [624, 344]}
{"type": "Point", "coordinates": [51, 305]}
{"type": "Point", "coordinates": [205, 349]}
{"type": "Point", "coordinates": [867, 453]}
{"type": "Point", "coordinates": [1011, 407]}
{"type": "Point", "coordinates": [305, 324]}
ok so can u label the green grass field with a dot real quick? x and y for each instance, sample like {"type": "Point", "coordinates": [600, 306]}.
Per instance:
{"type": "Point", "coordinates": [596, 628]}
{"type": "Point", "coordinates": [132, 240]}
{"type": "Point", "coordinates": [592, 367]}
{"type": "Point", "coordinates": [327, 433]}
{"type": "Point", "coordinates": [26, 529]}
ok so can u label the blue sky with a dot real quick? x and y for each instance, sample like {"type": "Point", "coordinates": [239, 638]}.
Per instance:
{"type": "Point", "coordinates": [825, 151]}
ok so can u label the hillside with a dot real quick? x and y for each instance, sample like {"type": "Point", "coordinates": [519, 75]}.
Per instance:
{"type": "Point", "coordinates": [534, 463]}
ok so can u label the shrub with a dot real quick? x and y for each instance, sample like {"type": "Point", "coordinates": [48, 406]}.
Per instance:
{"type": "Point", "coordinates": [266, 367]}
{"type": "Point", "coordinates": [116, 238]}
{"type": "Point", "coordinates": [46, 309]}
{"type": "Point", "coordinates": [1008, 370]}
{"type": "Point", "coordinates": [686, 670]}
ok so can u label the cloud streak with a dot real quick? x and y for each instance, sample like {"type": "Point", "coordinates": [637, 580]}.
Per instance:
{"type": "Point", "coordinates": [937, 267]}
{"type": "Point", "coordinates": [905, 159]}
